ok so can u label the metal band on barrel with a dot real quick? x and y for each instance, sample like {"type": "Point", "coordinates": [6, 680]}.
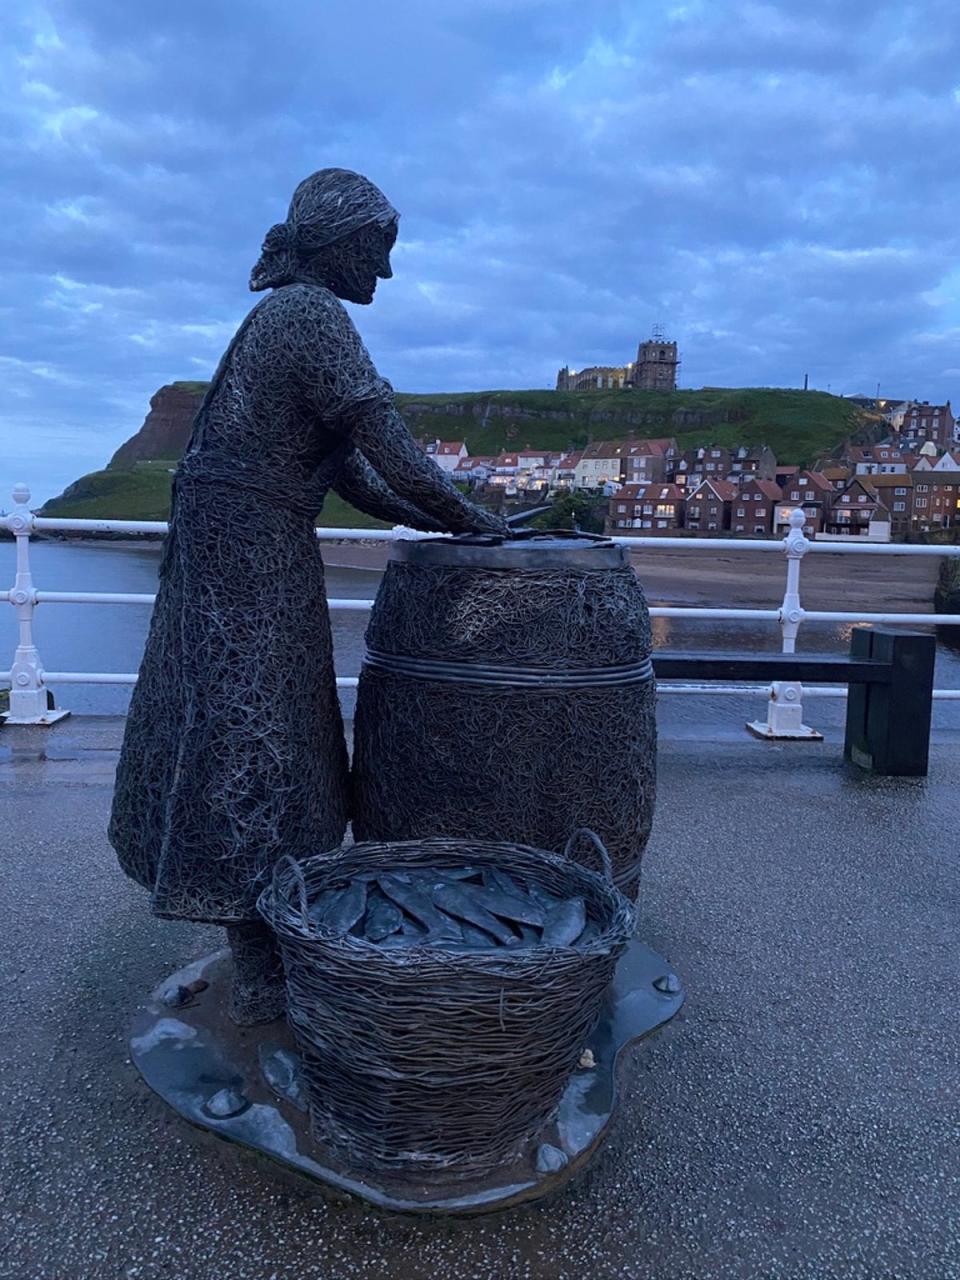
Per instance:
{"type": "Point", "coordinates": [437, 669]}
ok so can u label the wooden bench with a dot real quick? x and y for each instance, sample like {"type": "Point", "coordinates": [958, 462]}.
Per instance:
{"type": "Point", "coordinates": [889, 675]}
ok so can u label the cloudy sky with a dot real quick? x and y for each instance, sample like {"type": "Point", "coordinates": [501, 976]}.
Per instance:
{"type": "Point", "coordinates": [776, 183]}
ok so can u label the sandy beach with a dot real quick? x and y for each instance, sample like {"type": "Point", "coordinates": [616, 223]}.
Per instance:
{"type": "Point", "coordinates": [746, 579]}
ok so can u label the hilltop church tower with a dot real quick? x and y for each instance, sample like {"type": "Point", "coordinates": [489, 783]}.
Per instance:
{"type": "Point", "coordinates": [657, 363]}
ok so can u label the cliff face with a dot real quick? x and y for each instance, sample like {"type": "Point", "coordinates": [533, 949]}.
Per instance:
{"type": "Point", "coordinates": [166, 428]}
{"type": "Point", "coordinates": [798, 425]}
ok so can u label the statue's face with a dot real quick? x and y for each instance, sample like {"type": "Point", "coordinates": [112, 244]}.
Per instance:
{"type": "Point", "coordinates": [351, 267]}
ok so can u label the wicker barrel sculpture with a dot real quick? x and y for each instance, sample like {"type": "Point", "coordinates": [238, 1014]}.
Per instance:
{"type": "Point", "coordinates": [508, 694]}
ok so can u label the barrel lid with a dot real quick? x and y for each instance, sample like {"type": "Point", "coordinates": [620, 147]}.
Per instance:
{"type": "Point", "coordinates": [557, 549]}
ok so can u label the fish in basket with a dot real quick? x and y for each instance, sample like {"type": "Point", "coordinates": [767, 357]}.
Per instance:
{"type": "Point", "coordinates": [441, 993]}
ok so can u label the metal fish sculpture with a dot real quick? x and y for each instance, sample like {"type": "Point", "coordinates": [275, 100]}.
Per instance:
{"type": "Point", "coordinates": [417, 904]}
{"type": "Point", "coordinates": [509, 904]}
{"type": "Point", "coordinates": [459, 901]}
{"type": "Point", "coordinates": [476, 939]}
{"type": "Point", "coordinates": [383, 918]}
{"type": "Point", "coordinates": [437, 875]}
{"type": "Point", "coordinates": [346, 909]}
{"type": "Point", "coordinates": [321, 904]}
{"type": "Point", "coordinates": [565, 923]}
{"type": "Point", "coordinates": [547, 901]}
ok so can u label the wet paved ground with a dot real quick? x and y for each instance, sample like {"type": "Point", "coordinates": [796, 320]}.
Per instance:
{"type": "Point", "coordinates": [800, 1119]}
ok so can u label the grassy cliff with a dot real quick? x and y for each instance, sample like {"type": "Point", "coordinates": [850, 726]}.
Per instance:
{"type": "Point", "coordinates": [797, 425]}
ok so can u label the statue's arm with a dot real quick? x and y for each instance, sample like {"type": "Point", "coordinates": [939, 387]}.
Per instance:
{"type": "Point", "coordinates": [380, 434]}
{"type": "Point", "coordinates": [342, 386]}
{"type": "Point", "coordinates": [360, 485]}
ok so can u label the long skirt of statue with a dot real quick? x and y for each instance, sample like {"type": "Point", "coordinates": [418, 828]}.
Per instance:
{"type": "Point", "coordinates": [234, 750]}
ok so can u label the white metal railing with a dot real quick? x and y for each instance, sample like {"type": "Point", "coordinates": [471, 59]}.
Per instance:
{"type": "Point", "coordinates": [29, 681]}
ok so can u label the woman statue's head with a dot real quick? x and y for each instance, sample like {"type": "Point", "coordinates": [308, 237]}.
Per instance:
{"type": "Point", "coordinates": [339, 231]}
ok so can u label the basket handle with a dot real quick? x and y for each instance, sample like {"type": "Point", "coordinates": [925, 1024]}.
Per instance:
{"type": "Point", "coordinates": [598, 845]}
{"type": "Point", "coordinates": [285, 860]}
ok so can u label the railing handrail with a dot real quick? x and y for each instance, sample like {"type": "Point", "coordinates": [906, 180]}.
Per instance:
{"type": "Point", "coordinates": [856, 545]}
{"type": "Point", "coordinates": [28, 678]}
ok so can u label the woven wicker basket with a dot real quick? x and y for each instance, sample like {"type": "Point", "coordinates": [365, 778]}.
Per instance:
{"type": "Point", "coordinates": [420, 1060]}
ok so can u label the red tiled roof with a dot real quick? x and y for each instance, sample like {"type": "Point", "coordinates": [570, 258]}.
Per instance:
{"type": "Point", "coordinates": [605, 449]}
{"type": "Point", "coordinates": [724, 490]}
{"type": "Point", "coordinates": [767, 487]}
{"type": "Point", "coordinates": [891, 480]}
{"type": "Point", "coordinates": [449, 447]}
{"type": "Point", "coordinates": [815, 478]}
{"type": "Point", "coordinates": [652, 489]}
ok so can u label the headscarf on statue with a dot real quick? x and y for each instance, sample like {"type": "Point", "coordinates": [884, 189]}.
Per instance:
{"type": "Point", "coordinates": [326, 207]}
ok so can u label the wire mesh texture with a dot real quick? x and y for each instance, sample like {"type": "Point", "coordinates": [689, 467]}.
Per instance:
{"type": "Point", "coordinates": [433, 1063]}
{"type": "Point", "coordinates": [234, 747]}
{"type": "Point", "coordinates": [507, 693]}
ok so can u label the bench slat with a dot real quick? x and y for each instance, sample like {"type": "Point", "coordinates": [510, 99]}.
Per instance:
{"type": "Point", "coordinates": [767, 667]}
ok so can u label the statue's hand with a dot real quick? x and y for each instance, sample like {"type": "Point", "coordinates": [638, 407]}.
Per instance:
{"type": "Point", "coordinates": [477, 520]}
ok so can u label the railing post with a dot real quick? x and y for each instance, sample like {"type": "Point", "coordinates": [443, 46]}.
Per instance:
{"type": "Point", "coordinates": [785, 708]}
{"type": "Point", "coordinates": [28, 694]}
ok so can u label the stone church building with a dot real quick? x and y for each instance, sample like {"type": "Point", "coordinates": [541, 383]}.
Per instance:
{"type": "Point", "coordinates": [655, 369]}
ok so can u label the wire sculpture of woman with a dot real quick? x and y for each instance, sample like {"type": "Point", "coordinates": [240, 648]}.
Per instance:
{"type": "Point", "coordinates": [234, 750]}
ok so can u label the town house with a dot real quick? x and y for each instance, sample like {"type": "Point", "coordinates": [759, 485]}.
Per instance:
{"type": "Point", "coordinates": [785, 473]}
{"type": "Point", "coordinates": [811, 491]}
{"type": "Point", "coordinates": [708, 506]}
{"type": "Point", "coordinates": [600, 464]}
{"type": "Point", "coordinates": [896, 493]}
{"type": "Point", "coordinates": [928, 422]}
{"type": "Point", "coordinates": [858, 512]}
{"type": "Point", "coordinates": [505, 469]}
{"type": "Point", "coordinates": [647, 460]}
{"type": "Point", "coordinates": [936, 500]}
{"type": "Point", "coordinates": [564, 474]}
{"type": "Point", "coordinates": [752, 511]}
{"type": "Point", "coordinates": [475, 470]}
{"type": "Point", "coordinates": [877, 459]}
{"type": "Point", "coordinates": [757, 460]}
{"type": "Point", "coordinates": [447, 454]}
{"type": "Point", "coordinates": [696, 465]}
{"type": "Point", "coordinates": [654, 508]}
{"type": "Point", "coordinates": [947, 462]}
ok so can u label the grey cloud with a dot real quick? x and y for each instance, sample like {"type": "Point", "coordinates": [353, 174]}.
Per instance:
{"type": "Point", "coordinates": [775, 182]}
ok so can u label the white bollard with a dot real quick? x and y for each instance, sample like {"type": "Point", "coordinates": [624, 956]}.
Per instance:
{"type": "Point", "coordinates": [785, 707]}
{"type": "Point", "coordinates": [28, 693]}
